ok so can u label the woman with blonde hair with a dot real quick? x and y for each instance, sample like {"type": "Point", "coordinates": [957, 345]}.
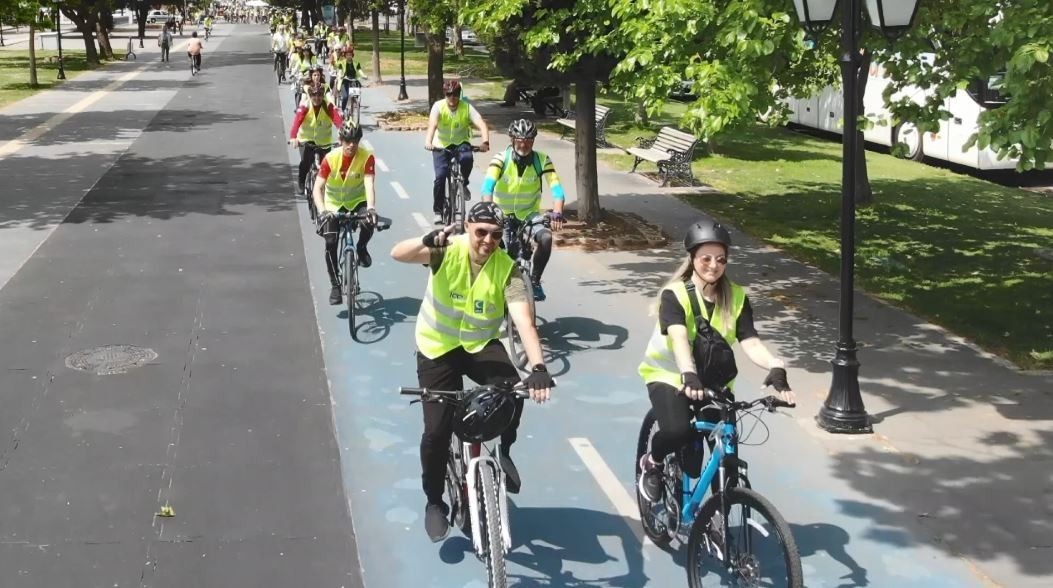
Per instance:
{"type": "Point", "coordinates": [669, 367]}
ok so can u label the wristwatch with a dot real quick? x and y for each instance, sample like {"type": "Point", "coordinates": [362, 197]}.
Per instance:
{"type": "Point", "coordinates": [539, 368]}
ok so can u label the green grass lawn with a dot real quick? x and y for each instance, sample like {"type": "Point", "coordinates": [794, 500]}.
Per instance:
{"type": "Point", "coordinates": [957, 250]}
{"type": "Point", "coordinates": [473, 62]}
{"type": "Point", "coordinates": [14, 72]}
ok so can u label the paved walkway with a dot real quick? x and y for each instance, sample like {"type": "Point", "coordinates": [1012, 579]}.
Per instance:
{"type": "Point", "coordinates": [963, 445]}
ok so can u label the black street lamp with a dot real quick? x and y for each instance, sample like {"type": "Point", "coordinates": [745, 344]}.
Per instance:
{"type": "Point", "coordinates": [58, 28]}
{"type": "Point", "coordinates": [402, 51]}
{"type": "Point", "coordinates": [843, 411]}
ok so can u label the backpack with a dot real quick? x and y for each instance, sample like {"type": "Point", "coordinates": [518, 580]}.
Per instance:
{"type": "Point", "coordinates": [714, 359]}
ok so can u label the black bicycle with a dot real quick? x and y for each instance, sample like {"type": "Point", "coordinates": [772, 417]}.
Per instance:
{"type": "Point", "coordinates": [320, 151]}
{"type": "Point", "coordinates": [521, 248]}
{"type": "Point", "coordinates": [347, 264]}
{"type": "Point", "coordinates": [736, 537]}
{"type": "Point", "coordinates": [456, 192]}
{"type": "Point", "coordinates": [281, 63]}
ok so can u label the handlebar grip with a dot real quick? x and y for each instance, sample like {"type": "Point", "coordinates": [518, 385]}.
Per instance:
{"type": "Point", "coordinates": [410, 391]}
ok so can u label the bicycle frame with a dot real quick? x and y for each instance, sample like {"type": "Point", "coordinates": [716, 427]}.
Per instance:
{"type": "Point", "coordinates": [694, 490]}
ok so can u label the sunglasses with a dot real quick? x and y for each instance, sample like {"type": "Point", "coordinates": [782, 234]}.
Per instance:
{"type": "Point", "coordinates": [495, 235]}
{"type": "Point", "coordinates": [708, 259]}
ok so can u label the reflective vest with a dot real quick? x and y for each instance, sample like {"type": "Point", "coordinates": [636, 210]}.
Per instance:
{"type": "Point", "coordinates": [659, 363]}
{"type": "Point", "coordinates": [348, 191]}
{"type": "Point", "coordinates": [520, 196]}
{"type": "Point", "coordinates": [454, 127]}
{"type": "Point", "coordinates": [457, 312]}
{"type": "Point", "coordinates": [317, 126]}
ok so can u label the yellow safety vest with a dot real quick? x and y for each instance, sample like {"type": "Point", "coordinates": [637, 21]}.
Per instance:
{"type": "Point", "coordinates": [520, 196]}
{"type": "Point", "coordinates": [457, 312]}
{"type": "Point", "coordinates": [348, 191]}
{"type": "Point", "coordinates": [454, 127]}
{"type": "Point", "coordinates": [317, 127]}
{"type": "Point", "coordinates": [659, 363]}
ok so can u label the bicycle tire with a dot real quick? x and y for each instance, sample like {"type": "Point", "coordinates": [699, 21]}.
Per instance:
{"type": "Point", "coordinates": [456, 491]}
{"type": "Point", "coordinates": [350, 285]}
{"type": "Point", "coordinates": [308, 192]}
{"type": "Point", "coordinates": [656, 531]}
{"type": "Point", "coordinates": [751, 501]}
{"type": "Point", "coordinates": [497, 576]}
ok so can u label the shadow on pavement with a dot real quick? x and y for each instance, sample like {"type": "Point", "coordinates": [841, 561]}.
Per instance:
{"type": "Point", "coordinates": [831, 540]}
{"type": "Point", "coordinates": [563, 336]}
{"type": "Point", "coordinates": [376, 315]}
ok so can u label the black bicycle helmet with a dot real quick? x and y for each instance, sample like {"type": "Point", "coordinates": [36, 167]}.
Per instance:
{"type": "Point", "coordinates": [451, 87]}
{"type": "Point", "coordinates": [484, 415]}
{"type": "Point", "coordinates": [706, 232]}
{"type": "Point", "coordinates": [522, 129]}
{"type": "Point", "coordinates": [350, 132]}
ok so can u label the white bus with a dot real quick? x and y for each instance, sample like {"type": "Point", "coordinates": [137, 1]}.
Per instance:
{"type": "Point", "coordinates": [825, 112]}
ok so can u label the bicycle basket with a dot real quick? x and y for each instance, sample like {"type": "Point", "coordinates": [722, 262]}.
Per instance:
{"type": "Point", "coordinates": [484, 415]}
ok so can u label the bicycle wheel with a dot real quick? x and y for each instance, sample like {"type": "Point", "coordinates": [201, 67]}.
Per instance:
{"type": "Point", "coordinates": [308, 192]}
{"type": "Point", "coordinates": [350, 286]}
{"type": "Point", "coordinates": [748, 544]}
{"type": "Point", "coordinates": [493, 538]}
{"type": "Point", "coordinates": [358, 111]}
{"type": "Point", "coordinates": [456, 490]}
{"type": "Point", "coordinates": [653, 518]}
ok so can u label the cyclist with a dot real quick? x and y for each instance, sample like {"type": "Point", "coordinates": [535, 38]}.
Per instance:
{"type": "Point", "coordinates": [450, 125]}
{"type": "Point", "coordinates": [208, 24]}
{"type": "Point", "coordinates": [194, 47]}
{"type": "Point", "coordinates": [513, 181]}
{"type": "Point", "coordinates": [316, 76]}
{"type": "Point", "coordinates": [668, 367]}
{"type": "Point", "coordinates": [472, 281]}
{"type": "Point", "coordinates": [345, 69]}
{"type": "Point", "coordinates": [280, 47]}
{"type": "Point", "coordinates": [314, 122]}
{"type": "Point", "coordinates": [346, 182]}
{"type": "Point", "coordinates": [320, 30]}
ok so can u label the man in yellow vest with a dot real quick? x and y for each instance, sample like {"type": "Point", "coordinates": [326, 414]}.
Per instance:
{"type": "Point", "coordinates": [673, 379]}
{"type": "Point", "coordinates": [346, 183]}
{"type": "Point", "coordinates": [471, 284]}
{"type": "Point", "coordinates": [450, 127]}
{"type": "Point", "coordinates": [313, 129]}
{"type": "Point", "coordinates": [513, 181]}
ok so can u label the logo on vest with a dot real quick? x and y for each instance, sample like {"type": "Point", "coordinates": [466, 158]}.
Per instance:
{"type": "Point", "coordinates": [479, 306]}
{"type": "Point", "coordinates": [456, 296]}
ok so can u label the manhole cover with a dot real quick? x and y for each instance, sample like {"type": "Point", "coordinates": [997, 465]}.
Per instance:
{"type": "Point", "coordinates": [110, 359]}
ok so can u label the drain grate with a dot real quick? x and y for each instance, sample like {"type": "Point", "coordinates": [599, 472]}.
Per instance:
{"type": "Point", "coordinates": [110, 359]}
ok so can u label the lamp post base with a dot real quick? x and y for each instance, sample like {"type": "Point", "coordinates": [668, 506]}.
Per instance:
{"type": "Point", "coordinates": [402, 90]}
{"type": "Point", "coordinates": [843, 412]}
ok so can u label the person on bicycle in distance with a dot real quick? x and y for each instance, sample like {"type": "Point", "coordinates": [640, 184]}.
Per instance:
{"type": "Point", "coordinates": [316, 77]}
{"type": "Point", "coordinates": [346, 182]}
{"type": "Point", "coordinates": [208, 24]}
{"type": "Point", "coordinates": [450, 125]}
{"type": "Point", "coordinates": [668, 367]}
{"type": "Point", "coordinates": [344, 69]}
{"type": "Point", "coordinates": [280, 47]}
{"type": "Point", "coordinates": [471, 283]}
{"type": "Point", "coordinates": [314, 122]}
{"type": "Point", "coordinates": [513, 181]}
{"type": "Point", "coordinates": [194, 47]}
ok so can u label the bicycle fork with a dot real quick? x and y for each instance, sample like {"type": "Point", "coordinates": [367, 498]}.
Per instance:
{"type": "Point", "coordinates": [473, 502]}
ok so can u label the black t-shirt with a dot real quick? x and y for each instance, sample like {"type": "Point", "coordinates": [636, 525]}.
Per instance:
{"type": "Point", "coordinates": [670, 312]}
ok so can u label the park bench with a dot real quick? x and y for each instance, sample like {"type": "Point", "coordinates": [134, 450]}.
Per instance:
{"type": "Point", "coordinates": [602, 114]}
{"type": "Point", "coordinates": [545, 101]}
{"type": "Point", "coordinates": [672, 151]}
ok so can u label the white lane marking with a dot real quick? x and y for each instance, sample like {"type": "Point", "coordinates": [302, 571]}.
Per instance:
{"type": "Point", "coordinates": [38, 131]}
{"type": "Point", "coordinates": [380, 163]}
{"type": "Point", "coordinates": [421, 221]}
{"type": "Point", "coordinates": [400, 190]}
{"type": "Point", "coordinates": [616, 493]}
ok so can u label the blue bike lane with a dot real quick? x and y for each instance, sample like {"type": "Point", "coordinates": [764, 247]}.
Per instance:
{"type": "Point", "coordinates": [574, 524]}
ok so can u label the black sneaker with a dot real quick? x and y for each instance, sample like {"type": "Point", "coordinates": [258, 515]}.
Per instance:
{"type": "Point", "coordinates": [364, 259]}
{"type": "Point", "coordinates": [335, 296]}
{"type": "Point", "coordinates": [650, 485]}
{"type": "Point", "coordinates": [513, 482]}
{"type": "Point", "coordinates": [436, 521]}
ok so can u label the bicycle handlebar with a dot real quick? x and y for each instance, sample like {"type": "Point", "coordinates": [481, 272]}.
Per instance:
{"type": "Point", "coordinates": [382, 223]}
{"type": "Point", "coordinates": [429, 395]}
{"type": "Point", "coordinates": [770, 402]}
{"type": "Point", "coordinates": [450, 150]}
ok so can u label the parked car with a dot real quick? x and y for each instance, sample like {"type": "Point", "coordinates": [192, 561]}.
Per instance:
{"type": "Point", "coordinates": [158, 16]}
{"type": "Point", "coordinates": [684, 92]}
{"type": "Point", "coordinates": [468, 37]}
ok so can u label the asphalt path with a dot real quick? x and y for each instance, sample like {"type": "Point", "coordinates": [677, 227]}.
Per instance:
{"type": "Point", "coordinates": [187, 246]}
{"type": "Point", "coordinates": [262, 423]}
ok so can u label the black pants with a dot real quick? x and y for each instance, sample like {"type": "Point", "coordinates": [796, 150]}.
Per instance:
{"type": "Point", "coordinates": [307, 151]}
{"type": "Point", "coordinates": [197, 60]}
{"type": "Point", "coordinates": [537, 232]}
{"type": "Point", "coordinates": [165, 47]}
{"type": "Point", "coordinates": [442, 171]}
{"type": "Point", "coordinates": [489, 366]}
{"type": "Point", "coordinates": [330, 231]}
{"type": "Point", "coordinates": [673, 411]}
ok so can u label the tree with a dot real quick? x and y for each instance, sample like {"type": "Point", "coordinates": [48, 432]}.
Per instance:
{"type": "Point", "coordinates": [26, 13]}
{"type": "Point", "coordinates": [560, 38]}
{"type": "Point", "coordinates": [434, 16]}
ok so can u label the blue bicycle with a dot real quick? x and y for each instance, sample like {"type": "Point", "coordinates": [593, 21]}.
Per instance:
{"type": "Point", "coordinates": [347, 264]}
{"type": "Point", "coordinates": [735, 537]}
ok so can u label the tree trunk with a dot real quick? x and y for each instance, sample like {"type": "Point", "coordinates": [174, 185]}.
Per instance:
{"type": "Point", "coordinates": [436, 45]}
{"type": "Point", "coordinates": [864, 193]}
{"type": "Point", "coordinates": [86, 26]}
{"type": "Point", "coordinates": [564, 91]}
{"type": "Point", "coordinates": [459, 42]}
{"type": "Point", "coordinates": [387, 21]}
{"type": "Point", "coordinates": [33, 55]}
{"type": "Point", "coordinates": [641, 113]}
{"type": "Point", "coordinates": [375, 15]}
{"type": "Point", "coordinates": [586, 182]}
{"type": "Point", "coordinates": [104, 40]}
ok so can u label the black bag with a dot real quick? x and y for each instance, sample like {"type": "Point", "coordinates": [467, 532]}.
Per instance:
{"type": "Point", "coordinates": [714, 359]}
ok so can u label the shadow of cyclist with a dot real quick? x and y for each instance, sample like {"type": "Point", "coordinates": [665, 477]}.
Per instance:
{"type": "Point", "coordinates": [375, 315]}
{"type": "Point", "coordinates": [833, 540]}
